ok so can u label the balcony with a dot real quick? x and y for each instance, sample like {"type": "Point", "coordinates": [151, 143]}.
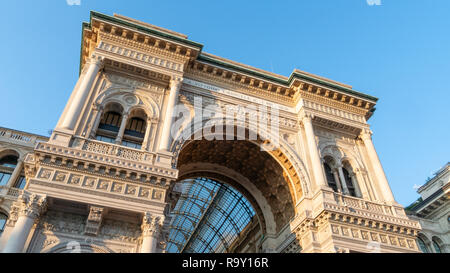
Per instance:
{"type": "Point", "coordinates": [9, 193]}
{"type": "Point", "coordinates": [113, 154]}
{"type": "Point", "coordinates": [21, 138]}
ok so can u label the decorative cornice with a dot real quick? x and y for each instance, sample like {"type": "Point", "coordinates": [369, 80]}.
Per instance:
{"type": "Point", "coordinates": [148, 38]}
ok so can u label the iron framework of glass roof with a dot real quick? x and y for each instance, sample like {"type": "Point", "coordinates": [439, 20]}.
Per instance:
{"type": "Point", "coordinates": [208, 217]}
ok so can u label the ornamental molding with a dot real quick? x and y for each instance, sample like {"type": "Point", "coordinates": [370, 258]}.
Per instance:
{"type": "Point", "coordinates": [377, 219]}
{"type": "Point", "coordinates": [134, 57]}
{"type": "Point", "coordinates": [353, 229]}
{"type": "Point", "coordinates": [139, 46]}
{"type": "Point", "coordinates": [243, 88]}
{"type": "Point", "coordinates": [96, 155]}
{"type": "Point", "coordinates": [334, 112]}
{"type": "Point", "coordinates": [124, 68]}
{"type": "Point", "coordinates": [71, 181]}
{"type": "Point", "coordinates": [313, 100]}
{"type": "Point", "coordinates": [338, 124]}
{"type": "Point", "coordinates": [152, 225]}
{"type": "Point", "coordinates": [231, 92]}
{"type": "Point", "coordinates": [63, 227]}
{"type": "Point", "coordinates": [326, 134]}
{"type": "Point", "coordinates": [94, 220]}
{"type": "Point", "coordinates": [187, 97]}
{"type": "Point", "coordinates": [117, 80]}
{"type": "Point", "coordinates": [29, 205]}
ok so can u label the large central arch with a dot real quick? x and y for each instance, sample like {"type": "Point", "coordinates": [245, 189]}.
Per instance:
{"type": "Point", "coordinates": [269, 179]}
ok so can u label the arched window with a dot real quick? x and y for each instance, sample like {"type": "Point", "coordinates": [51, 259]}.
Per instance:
{"type": "Point", "coordinates": [9, 161]}
{"type": "Point", "coordinates": [349, 182]}
{"type": "Point", "coordinates": [436, 246]}
{"type": "Point", "coordinates": [3, 219]}
{"type": "Point", "coordinates": [423, 247]}
{"type": "Point", "coordinates": [134, 133]}
{"type": "Point", "coordinates": [135, 129]}
{"type": "Point", "coordinates": [109, 127]}
{"type": "Point", "coordinates": [330, 177]}
{"type": "Point", "coordinates": [7, 165]}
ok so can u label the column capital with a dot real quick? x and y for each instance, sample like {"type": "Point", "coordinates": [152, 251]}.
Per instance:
{"type": "Point", "coordinates": [30, 205]}
{"type": "Point", "coordinates": [97, 106]}
{"type": "Point", "coordinates": [175, 81]}
{"type": "Point", "coordinates": [152, 225]}
{"type": "Point", "coordinates": [366, 134]}
{"type": "Point", "coordinates": [305, 117]}
{"type": "Point", "coordinates": [96, 60]}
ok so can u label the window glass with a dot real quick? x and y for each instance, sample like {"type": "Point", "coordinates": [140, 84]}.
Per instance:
{"type": "Point", "coordinates": [4, 177]}
{"type": "Point", "coordinates": [135, 127]}
{"type": "Point", "coordinates": [21, 182]}
{"type": "Point", "coordinates": [208, 217]}
{"type": "Point", "coordinates": [3, 219]}
{"type": "Point", "coordinates": [349, 183]}
{"type": "Point", "coordinates": [330, 177]}
{"type": "Point", "coordinates": [105, 139]}
{"type": "Point", "coordinates": [110, 121]}
{"type": "Point", "coordinates": [436, 246]}
{"type": "Point", "coordinates": [422, 245]}
{"type": "Point", "coordinates": [131, 144]}
{"type": "Point", "coordinates": [9, 161]}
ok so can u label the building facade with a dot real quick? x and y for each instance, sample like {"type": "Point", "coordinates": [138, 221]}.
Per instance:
{"type": "Point", "coordinates": [151, 112]}
{"type": "Point", "coordinates": [432, 210]}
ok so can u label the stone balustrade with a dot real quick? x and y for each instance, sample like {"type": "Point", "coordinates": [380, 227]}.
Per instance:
{"type": "Point", "coordinates": [358, 203]}
{"type": "Point", "coordinates": [10, 193]}
{"type": "Point", "coordinates": [111, 154]}
{"type": "Point", "coordinates": [22, 138]}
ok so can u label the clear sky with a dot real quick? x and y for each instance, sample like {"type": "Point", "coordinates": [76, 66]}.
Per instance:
{"type": "Point", "coordinates": [398, 51]}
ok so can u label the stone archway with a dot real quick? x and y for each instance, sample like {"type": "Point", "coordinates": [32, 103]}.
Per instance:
{"type": "Point", "coordinates": [258, 171]}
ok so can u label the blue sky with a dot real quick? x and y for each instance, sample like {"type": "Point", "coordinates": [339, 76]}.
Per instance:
{"type": "Point", "coordinates": [398, 51]}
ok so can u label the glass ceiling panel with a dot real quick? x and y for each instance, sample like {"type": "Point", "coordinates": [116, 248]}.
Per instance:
{"type": "Point", "coordinates": [208, 217]}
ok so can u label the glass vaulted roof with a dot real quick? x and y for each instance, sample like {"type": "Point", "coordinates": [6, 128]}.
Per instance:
{"type": "Point", "coordinates": [208, 217]}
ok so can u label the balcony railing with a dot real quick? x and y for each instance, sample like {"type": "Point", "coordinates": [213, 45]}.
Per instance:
{"type": "Point", "coordinates": [10, 192]}
{"type": "Point", "coordinates": [114, 150]}
{"type": "Point", "coordinates": [358, 203]}
{"type": "Point", "coordinates": [9, 135]}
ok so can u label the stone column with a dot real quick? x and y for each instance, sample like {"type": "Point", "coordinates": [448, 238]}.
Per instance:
{"type": "Point", "coordinates": [175, 85]}
{"type": "Point", "coordinates": [147, 136]}
{"type": "Point", "coordinates": [365, 192]}
{"type": "Point", "coordinates": [15, 175]}
{"type": "Point", "coordinates": [81, 93]}
{"type": "Point", "coordinates": [343, 182]}
{"type": "Point", "coordinates": [123, 124]}
{"type": "Point", "coordinates": [313, 152]}
{"type": "Point", "coordinates": [97, 114]}
{"type": "Point", "coordinates": [356, 185]}
{"type": "Point", "coordinates": [151, 232]}
{"type": "Point", "coordinates": [386, 192]}
{"type": "Point", "coordinates": [338, 182]}
{"type": "Point", "coordinates": [28, 208]}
